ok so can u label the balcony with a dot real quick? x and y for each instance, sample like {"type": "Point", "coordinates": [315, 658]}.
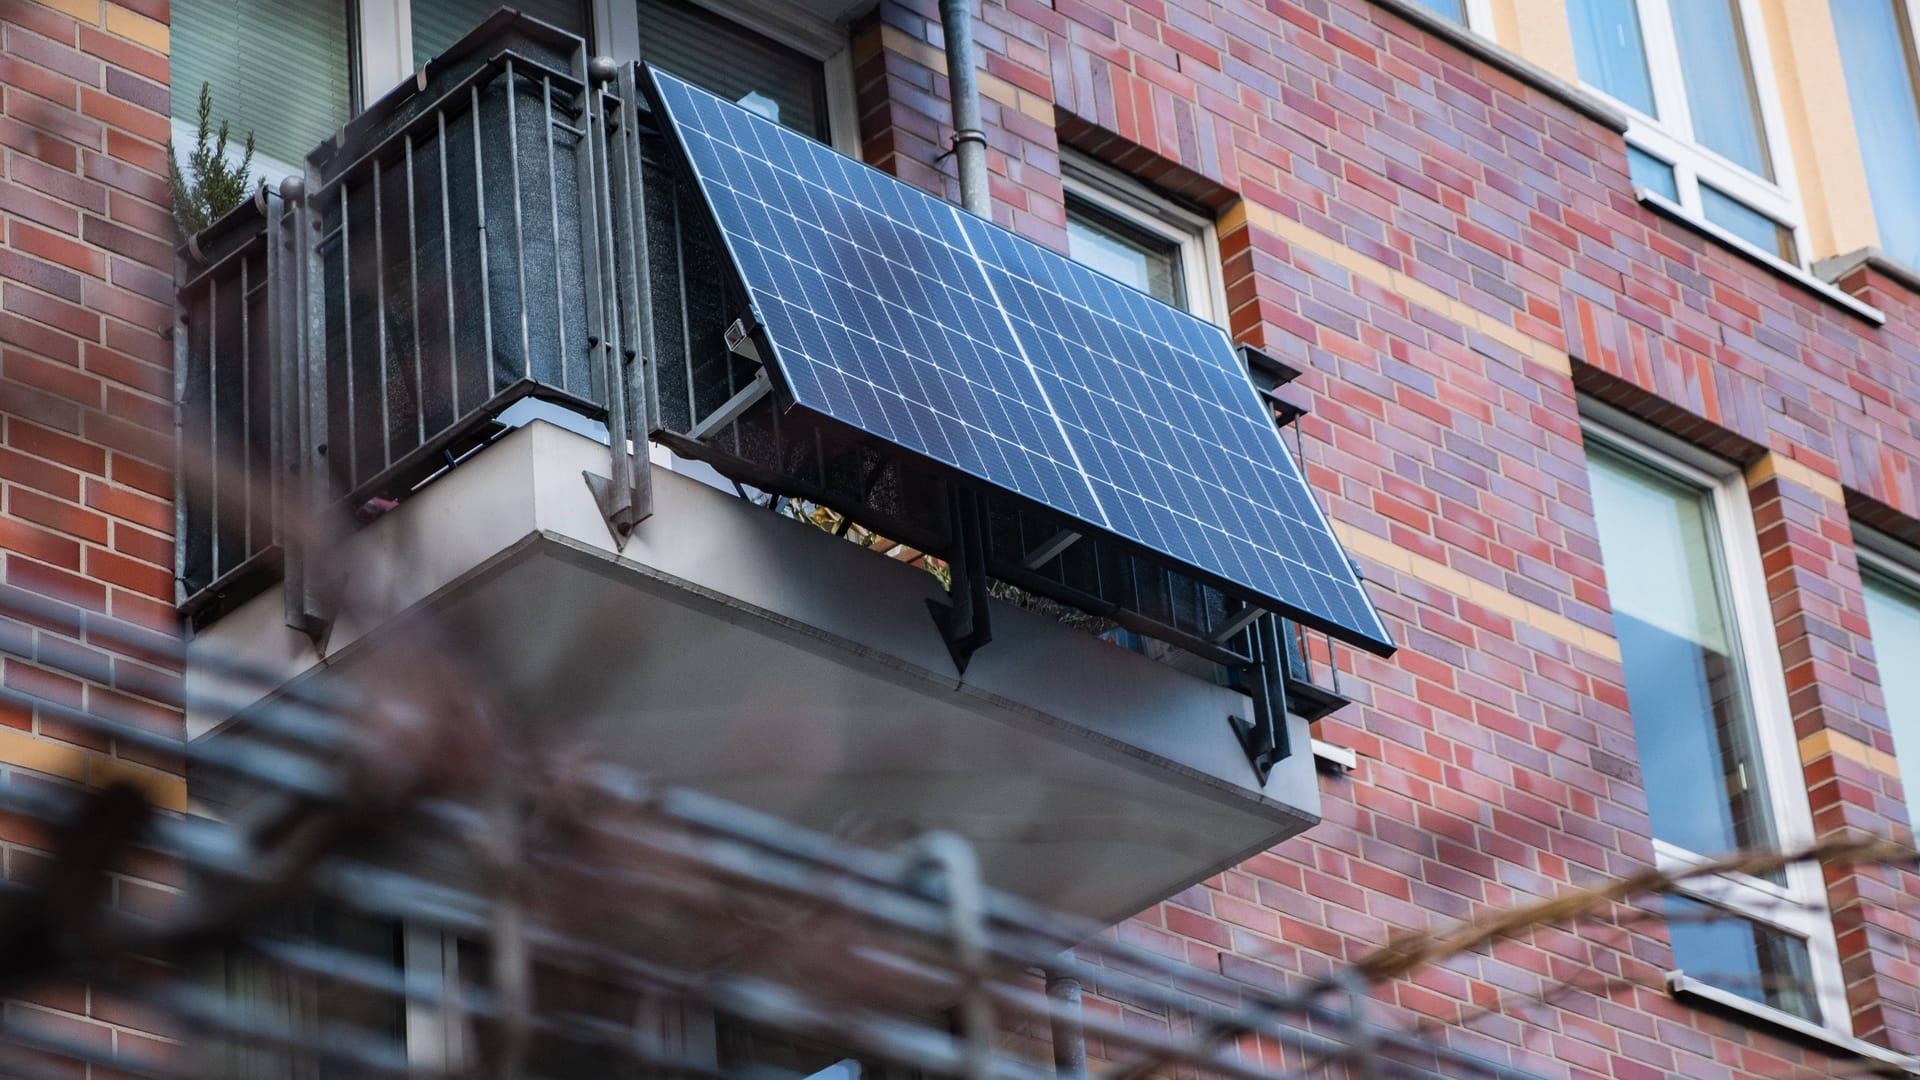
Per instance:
{"type": "Point", "coordinates": [478, 379]}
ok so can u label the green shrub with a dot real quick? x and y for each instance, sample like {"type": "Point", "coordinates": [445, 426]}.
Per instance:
{"type": "Point", "coordinates": [211, 185]}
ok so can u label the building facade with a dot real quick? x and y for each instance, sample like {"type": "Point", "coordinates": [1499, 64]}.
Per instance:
{"type": "Point", "coordinates": [1607, 320]}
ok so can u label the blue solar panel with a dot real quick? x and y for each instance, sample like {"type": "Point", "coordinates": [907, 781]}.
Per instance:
{"type": "Point", "coordinates": [897, 313]}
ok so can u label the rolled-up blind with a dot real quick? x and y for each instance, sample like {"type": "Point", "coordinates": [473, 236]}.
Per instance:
{"type": "Point", "coordinates": [282, 71]}
{"type": "Point", "coordinates": [783, 85]}
{"type": "Point", "coordinates": [437, 24]}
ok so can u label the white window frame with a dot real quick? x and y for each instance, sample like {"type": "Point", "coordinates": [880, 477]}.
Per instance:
{"type": "Point", "coordinates": [1195, 239]}
{"type": "Point", "coordinates": [1669, 138]}
{"type": "Point", "coordinates": [1480, 17]}
{"type": "Point", "coordinates": [1884, 557]}
{"type": "Point", "coordinates": [1800, 906]}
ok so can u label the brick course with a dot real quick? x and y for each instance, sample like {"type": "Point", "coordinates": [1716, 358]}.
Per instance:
{"type": "Point", "coordinates": [85, 430]}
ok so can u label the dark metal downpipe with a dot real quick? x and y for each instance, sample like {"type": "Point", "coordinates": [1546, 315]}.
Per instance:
{"type": "Point", "coordinates": [963, 88]}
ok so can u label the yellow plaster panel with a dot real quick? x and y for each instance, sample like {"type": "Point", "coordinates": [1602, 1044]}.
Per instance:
{"type": "Point", "coordinates": [1537, 30]}
{"type": "Point", "coordinates": [1820, 132]}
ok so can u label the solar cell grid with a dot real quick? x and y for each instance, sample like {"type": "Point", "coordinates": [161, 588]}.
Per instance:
{"type": "Point", "coordinates": [896, 313]}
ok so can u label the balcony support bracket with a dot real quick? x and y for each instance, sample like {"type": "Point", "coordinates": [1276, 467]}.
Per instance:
{"type": "Point", "coordinates": [1264, 737]}
{"type": "Point", "coordinates": [963, 620]}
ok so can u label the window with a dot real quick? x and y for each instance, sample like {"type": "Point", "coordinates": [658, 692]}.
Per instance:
{"type": "Point", "coordinates": [287, 79]}
{"type": "Point", "coordinates": [1475, 15]}
{"type": "Point", "coordinates": [1708, 702]}
{"type": "Point", "coordinates": [1883, 88]}
{"type": "Point", "coordinates": [1893, 618]}
{"type": "Point", "coordinates": [1704, 132]}
{"type": "Point", "coordinates": [294, 79]}
{"type": "Point", "coordinates": [1126, 231]}
{"type": "Point", "coordinates": [777, 82]}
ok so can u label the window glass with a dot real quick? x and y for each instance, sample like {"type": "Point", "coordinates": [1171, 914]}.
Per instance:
{"type": "Point", "coordinates": [1685, 688]}
{"type": "Point", "coordinates": [287, 78]}
{"type": "Point", "coordinates": [1103, 242]}
{"type": "Point", "coordinates": [1719, 80]}
{"type": "Point", "coordinates": [1747, 223]}
{"type": "Point", "coordinates": [1893, 617]}
{"type": "Point", "coordinates": [1609, 51]}
{"type": "Point", "coordinates": [1883, 87]}
{"type": "Point", "coordinates": [437, 24]}
{"type": "Point", "coordinates": [762, 75]}
{"type": "Point", "coordinates": [1742, 956]}
{"type": "Point", "coordinates": [1450, 9]}
{"type": "Point", "coordinates": [1651, 173]}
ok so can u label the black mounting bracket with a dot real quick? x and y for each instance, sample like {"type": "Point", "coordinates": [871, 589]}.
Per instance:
{"type": "Point", "coordinates": [963, 619]}
{"type": "Point", "coordinates": [1264, 737]}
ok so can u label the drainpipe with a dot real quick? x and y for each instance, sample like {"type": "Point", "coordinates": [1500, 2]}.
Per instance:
{"type": "Point", "coordinates": [963, 87]}
{"type": "Point", "coordinates": [1069, 1040]}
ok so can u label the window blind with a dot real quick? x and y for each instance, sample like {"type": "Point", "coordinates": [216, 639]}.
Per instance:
{"type": "Point", "coordinates": [783, 85]}
{"type": "Point", "coordinates": [285, 76]}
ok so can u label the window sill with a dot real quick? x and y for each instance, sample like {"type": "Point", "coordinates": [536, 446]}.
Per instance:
{"type": "Point", "coordinates": [1684, 988]}
{"type": "Point", "coordinates": [1337, 759]}
{"type": "Point", "coordinates": [1780, 267]}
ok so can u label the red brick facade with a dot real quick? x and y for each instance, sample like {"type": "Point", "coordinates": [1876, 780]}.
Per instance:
{"type": "Point", "coordinates": [86, 434]}
{"type": "Point", "coordinates": [1456, 256]}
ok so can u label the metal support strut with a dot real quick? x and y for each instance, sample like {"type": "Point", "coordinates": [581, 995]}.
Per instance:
{"type": "Point", "coordinates": [1264, 737]}
{"type": "Point", "coordinates": [963, 619]}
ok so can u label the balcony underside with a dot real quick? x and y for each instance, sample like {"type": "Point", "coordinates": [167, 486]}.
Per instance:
{"type": "Point", "coordinates": [759, 659]}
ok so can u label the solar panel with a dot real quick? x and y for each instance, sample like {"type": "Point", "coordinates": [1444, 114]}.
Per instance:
{"type": "Point", "coordinates": [897, 313]}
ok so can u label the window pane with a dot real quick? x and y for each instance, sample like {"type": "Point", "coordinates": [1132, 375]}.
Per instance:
{"type": "Point", "coordinates": [1651, 173]}
{"type": "Point", "coordinates": [1748, 224]}
{"type": "Point", "coordinates": [1893, 617]}
{"type": "Point", "coordinates": [1741, 956]}
{"type": "Point", "coordinates": [778, 83]}
{"type": "Point", "coordinates": [1685, 688]}
{"type": "Point", "coordinates": [1877, 50]}
{"type": "Point", "coordinates": [1451, 9]}
{"type": "Point", "coordinates": [437, 24]}
{"type": "Point", "coordinates": [1609, 52]}
{"type": "Point", "coordinates": [288, 78]}
{"type": "Point", "coordinates": [1719, 79]}
{"type": "Point", "coordinates": [1105, 243]}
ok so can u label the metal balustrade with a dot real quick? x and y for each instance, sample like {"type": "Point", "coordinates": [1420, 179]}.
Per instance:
{"type": "Point", "coordinates": [447, 254]}
{"type": "Point", "coordinates": [236, 314]}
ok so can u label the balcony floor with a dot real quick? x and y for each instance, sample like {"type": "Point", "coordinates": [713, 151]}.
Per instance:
{"type": "Point", "coordinates": [761, 660]}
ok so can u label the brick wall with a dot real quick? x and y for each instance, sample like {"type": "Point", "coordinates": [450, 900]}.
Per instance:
{"type": "Point", "coordinates": [1455, 256]}
{"type": "Point", "coordinates": [86, 484]}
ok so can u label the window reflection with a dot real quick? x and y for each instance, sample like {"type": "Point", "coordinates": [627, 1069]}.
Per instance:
{"type": "Point", "coordinates": [1692, 718]}
{"type": "Point", "coordinates": [1102, 242]}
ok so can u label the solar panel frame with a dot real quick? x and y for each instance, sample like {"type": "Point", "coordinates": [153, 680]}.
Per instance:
{"type": "Point", "coordinates": [899, 315]}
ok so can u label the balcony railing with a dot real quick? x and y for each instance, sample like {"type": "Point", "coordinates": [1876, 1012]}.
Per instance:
{"type": "Point", "coordinates": [509, 226]}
